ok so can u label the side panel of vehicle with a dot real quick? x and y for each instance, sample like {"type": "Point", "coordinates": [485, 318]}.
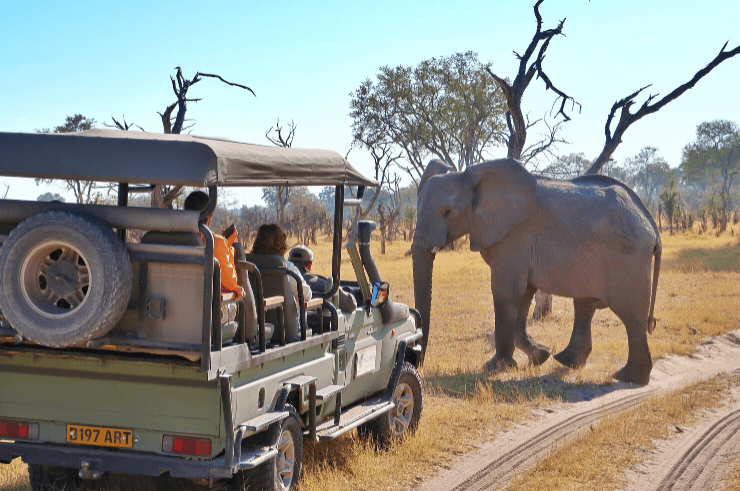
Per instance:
{"type": "Point", "coordinates": [148, 398]}
{"type": "Point", "coordinates": [370, 353]}
{"type": "Point", "coordinates": [254, 396]}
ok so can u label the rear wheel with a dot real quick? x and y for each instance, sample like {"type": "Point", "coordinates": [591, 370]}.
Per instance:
{"type": "Point", "coordinates": [284, 471]}
{"type": "Point", "coordinates": [44, 478]}
{"type": "Point", "coordinates": [403, 418]}
{"type": "Point", "coordinates": [64, 279]}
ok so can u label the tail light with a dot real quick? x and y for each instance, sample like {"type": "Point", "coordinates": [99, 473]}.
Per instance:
{"type": "Point", "coordinates": [186, 445]}
{"type": "Point", "coordinates": [15, 429]}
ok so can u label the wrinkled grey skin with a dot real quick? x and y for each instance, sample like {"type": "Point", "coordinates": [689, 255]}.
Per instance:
{"type": "Point", "coordinates": [589, 238]}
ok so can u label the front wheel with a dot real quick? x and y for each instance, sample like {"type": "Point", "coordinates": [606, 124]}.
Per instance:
{"type": "Point", "coordinates": [403, 418]}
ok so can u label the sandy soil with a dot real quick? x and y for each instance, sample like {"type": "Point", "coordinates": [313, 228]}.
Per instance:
{"type": "Point", "coordinates": [695, 458]}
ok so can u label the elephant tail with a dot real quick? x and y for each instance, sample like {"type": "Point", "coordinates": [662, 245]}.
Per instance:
{"type": "Point", "coordinates": [657, 252]}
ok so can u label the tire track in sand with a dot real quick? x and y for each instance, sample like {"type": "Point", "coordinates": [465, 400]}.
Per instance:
{"type": "Point", "coordinates": [499, 470]}
{"type": "Point", "coordinates": [701, 464]}
{"type": "Point", "coordinates": [516, 450]}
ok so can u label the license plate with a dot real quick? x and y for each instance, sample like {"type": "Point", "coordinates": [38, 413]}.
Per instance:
{"type": "Point", "coordinates": [96, 435]}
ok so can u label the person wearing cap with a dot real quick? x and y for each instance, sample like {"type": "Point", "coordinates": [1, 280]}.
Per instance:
{"type": "Point", "coordinates": [302, 257]}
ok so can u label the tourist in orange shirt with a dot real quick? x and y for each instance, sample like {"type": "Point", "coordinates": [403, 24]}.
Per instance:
{"type": "Point", "coordinates": [223, 246]}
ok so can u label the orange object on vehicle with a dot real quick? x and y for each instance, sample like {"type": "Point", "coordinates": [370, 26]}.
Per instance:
{"type": "Point", "coordinates": [224, 252]}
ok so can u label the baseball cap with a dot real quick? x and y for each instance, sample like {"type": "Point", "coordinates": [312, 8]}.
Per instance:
{"type": "Point", "coordinates": [300, 253]}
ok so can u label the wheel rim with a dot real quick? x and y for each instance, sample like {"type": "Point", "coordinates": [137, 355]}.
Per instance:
{"type": "Point", "coordinates": [403, 409]}
{"type": "Point", "coordinates": [285, 461]}
{"type": "Point", "coordinates": [55, 279]}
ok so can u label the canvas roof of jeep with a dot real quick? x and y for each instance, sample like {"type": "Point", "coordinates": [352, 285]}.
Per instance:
{"type": "Point", "coordinates": [152, 158]}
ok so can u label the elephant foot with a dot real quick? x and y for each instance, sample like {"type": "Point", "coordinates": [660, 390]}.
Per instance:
{"type": "Point", "coordinates": [572, 357]}
{"type": "Point", "coordinates": [631, 375]}
{"type": "Point", "coordinates": [539, 355]}
{"type": "Point", "coordinates": [497, 364]}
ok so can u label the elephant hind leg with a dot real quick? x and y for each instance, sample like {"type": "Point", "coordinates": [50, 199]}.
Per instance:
{"type": "Point", "coordinates": [639, 363]}
{"type": "Point", "coordinates": [576, 353]}
{"type": "Point", "coordinates": [537, 353]}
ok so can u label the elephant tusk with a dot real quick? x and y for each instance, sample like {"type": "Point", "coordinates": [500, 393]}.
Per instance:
{"type": "Point", "coordinates": [407, 253]}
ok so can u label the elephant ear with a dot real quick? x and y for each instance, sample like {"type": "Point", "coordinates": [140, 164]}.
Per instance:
{"type": "Point", "coordinates": [503, 197]}
{"type": "Point", "coordinates": [434, 168]}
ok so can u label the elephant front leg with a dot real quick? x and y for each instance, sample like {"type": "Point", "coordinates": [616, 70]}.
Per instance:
{"type": "Point", "coordinates": [579, 347]}
{"type": "Point", "coordinates": [537, 353]}
{"type": "Point", "coordinates": [505, 334]}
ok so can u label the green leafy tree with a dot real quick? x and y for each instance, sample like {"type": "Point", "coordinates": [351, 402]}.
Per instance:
{"type": "Point", "coordinates": [714, 155]}
{"type": "Point", "coordinates": [82, 190]}
{"type": "Point", "coordinates": [48, 196]}
{"type": "Point", "coordinates": [567, 166]}
{"type": "Point", "coordinates": [576, 164]}
{"type": "Point", "coordinates": [445, 107]}
{"type": "Point", "coordinates": [648, 172]}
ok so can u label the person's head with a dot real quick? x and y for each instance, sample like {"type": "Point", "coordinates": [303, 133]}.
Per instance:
{"type": "Point", "coordinates": [301, 255]}
{"type": "Point", "coordinates": [197, 201]}
{"type": "Point", "coordinates": [270, 240]}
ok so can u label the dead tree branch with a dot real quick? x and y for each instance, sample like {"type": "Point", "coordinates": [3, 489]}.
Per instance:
{"type": "Point", "coordinates": [163, 196]}
{"type": "Point", "coordinates": [626, 118]}
{"type": "Point", "coordinates": [527, 71]}
{"type": "Point", "coordinates": [180, 86]}
{"type": "Point", "coordinates": [122, 126]}
{"type": "Point", "coordinates": [279, 140]}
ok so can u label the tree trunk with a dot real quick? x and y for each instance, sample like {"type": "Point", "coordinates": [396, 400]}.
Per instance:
{"type": "Point", "coordinates": [542, 305]}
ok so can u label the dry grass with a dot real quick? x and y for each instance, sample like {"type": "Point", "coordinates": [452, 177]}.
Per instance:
{"type": "Point", "coordinates": [731, 480]}
{"type": "Point", "coordinates": [597, 457]}
{"type": "Point", "coordinates": [14, 476]}
{"type": "Point", "coordinates": [699, 286]}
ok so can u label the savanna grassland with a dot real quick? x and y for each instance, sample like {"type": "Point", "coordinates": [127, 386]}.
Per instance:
{"type": "Point", "coordinates": [699, 287]}
{"type": "Point", "coordinates": [698, 297]}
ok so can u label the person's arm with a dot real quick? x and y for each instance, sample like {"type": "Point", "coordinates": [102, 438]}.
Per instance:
{"type": "Point", "coordinates": [307, 294]}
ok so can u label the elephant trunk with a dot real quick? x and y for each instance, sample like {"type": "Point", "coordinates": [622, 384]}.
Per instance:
{"type": "Point", "coordinates": [423, 261]}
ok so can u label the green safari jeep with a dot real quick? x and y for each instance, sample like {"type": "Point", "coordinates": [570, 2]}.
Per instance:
{"type": "Point", "coordinates": [125, 357]}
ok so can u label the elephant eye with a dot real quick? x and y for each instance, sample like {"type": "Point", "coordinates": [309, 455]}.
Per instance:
{"type": "Point", "coordinates": [447, 213]}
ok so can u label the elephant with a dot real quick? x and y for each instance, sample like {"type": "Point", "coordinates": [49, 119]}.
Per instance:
{"type": "Point", "coordinates": [590, 238]}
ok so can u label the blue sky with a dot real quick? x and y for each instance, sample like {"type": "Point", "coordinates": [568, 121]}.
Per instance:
{"type": "Point", "coordinates": [303, 59]}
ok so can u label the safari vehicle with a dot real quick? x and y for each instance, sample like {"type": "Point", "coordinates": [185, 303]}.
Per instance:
{"type": "Point", "coordinates": [115, 358]}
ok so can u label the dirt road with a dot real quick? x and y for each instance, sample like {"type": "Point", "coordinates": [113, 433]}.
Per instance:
{"type": "Point", "coordinates": [693, 459]}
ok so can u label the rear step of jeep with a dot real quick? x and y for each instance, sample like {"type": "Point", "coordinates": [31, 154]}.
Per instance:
{"type": "Point", "coordinates": [353, 417]}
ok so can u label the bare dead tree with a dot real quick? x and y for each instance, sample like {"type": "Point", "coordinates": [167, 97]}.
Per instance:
{"type": "Point", "coordinates": [626, 118]}
{"type": "Point", "coordinates": [516, 122]}
{"type": "Point", "coordinates": [389, 212]}
{"type": "Point", "coordinates": [122, 126]}
{"type": "Point", "coordinates": [283, 192]}
{"type": "Point", "coordinates": [384, 155]}
{"type": "Point", "coordinates": [180, 86]}
{"type": "Point", "coordinates": [278, 139]}
{"type": "Point", "coordinates": [518, 125]}
{"type": "Point", "coordinates": [163, 196]}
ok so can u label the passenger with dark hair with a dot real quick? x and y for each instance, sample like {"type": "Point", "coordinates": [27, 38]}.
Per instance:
{"type": "Point", "coordinates": [223, 246]}
{"type": "Point", "coordinates": [271, 240]}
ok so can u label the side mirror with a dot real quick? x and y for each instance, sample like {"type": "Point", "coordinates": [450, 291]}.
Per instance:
{"type": "Point", "coordinates": [380, 294]}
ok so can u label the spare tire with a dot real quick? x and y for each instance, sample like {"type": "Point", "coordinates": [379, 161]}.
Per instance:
{"type": "Point", "coordinates": [66, 278]}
